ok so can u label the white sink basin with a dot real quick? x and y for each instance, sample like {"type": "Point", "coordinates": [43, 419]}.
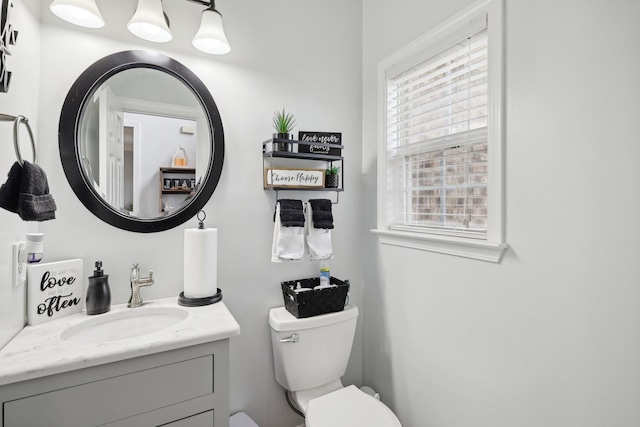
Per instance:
{"type": "Point", "coordinates": [126, 324]}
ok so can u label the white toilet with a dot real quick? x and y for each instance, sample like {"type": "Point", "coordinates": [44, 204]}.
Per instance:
{"type": "Point", "coordinates": [310, 356]}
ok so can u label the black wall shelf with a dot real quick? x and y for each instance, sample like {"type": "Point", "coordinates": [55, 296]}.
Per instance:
{"type": "Point", "coordinates": [294, 154]}
{"type": "Point", "coordinates": [268, 153]}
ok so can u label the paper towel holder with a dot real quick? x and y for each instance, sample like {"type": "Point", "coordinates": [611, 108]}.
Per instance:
{"type": "Point", "coordinates": [198, 302]}
{"type": "Point", "coordinates": [201, 220]}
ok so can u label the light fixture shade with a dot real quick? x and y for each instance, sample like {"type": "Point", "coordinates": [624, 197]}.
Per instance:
{"type": "Point", "coordinates": [210, 37]}
{"type": "Point", "coordinates": [149, 22]}
{"type": "Point", "coordinates": [79, 12]}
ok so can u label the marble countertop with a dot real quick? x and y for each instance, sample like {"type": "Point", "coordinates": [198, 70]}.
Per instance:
{"type": "Point", "coordinates": [38, 351]}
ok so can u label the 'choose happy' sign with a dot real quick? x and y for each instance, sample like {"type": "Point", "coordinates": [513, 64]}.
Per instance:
{"type": "Point", "coordinates": [54, 290]}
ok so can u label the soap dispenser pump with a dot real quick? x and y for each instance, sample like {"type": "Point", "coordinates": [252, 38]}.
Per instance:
{"type": "Point", "coordinates": [98, 293]}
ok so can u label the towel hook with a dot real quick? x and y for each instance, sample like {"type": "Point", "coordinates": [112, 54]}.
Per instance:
{"type": "Point", "coordinates": [17, 120]}
{"type": "Point", "coordinates": [16, 138]}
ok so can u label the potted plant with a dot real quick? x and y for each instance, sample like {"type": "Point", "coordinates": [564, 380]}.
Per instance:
{"type": "Point", "coordinates": [331, 177]}
{"type": "Point", "coordinates": [283, 123]}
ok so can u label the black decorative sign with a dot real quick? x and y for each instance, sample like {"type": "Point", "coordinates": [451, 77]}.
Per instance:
{"type": "Point", "coordinates": [318, 142]}
{"type": "Point", "coordinates": [8, 36]}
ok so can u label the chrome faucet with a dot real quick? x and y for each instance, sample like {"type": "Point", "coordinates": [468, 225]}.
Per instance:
{"type": "Point", "coordinates": [136, 283]}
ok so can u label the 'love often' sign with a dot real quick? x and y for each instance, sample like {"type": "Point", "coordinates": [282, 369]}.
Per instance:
{"type": "Point", "coordinates": [54, 290]}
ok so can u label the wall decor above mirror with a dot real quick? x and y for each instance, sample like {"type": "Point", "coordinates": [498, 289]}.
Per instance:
{"type": "Point", "coordinates": [141, 141]}
{"type": "Point", "coordinates": [8, 36]}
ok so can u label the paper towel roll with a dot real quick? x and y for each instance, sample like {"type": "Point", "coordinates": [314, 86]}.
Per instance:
{"type": "Point", "coordinates": [200, 262]}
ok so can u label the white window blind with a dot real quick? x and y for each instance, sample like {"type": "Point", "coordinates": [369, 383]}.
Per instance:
{"type": "Point", "coordinates": [437, 148]}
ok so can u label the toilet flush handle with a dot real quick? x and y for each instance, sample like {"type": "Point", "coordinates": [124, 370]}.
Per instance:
{"type": "Point", "coordinates": [292, 338]}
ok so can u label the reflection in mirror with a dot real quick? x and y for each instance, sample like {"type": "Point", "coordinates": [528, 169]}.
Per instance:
{"type": "Point", "coordinates": [141, 141]}
{"type": "Point", "coordinates": [131, 132]}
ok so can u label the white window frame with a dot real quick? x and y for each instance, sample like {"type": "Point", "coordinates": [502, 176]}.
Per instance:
{"type": "Point", "coordinates": [491, 248]}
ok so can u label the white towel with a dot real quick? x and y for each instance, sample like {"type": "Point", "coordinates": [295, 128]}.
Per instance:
{"type": "Point", "coordinates": [288, 242]}
{"type": "Point", "coordinates": [318, 239]}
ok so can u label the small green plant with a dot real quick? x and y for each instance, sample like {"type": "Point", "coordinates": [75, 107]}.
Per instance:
{"type": "Point", "coordinates": [283, 122]}
{"type": "Point", "coordinates": [334, 170]}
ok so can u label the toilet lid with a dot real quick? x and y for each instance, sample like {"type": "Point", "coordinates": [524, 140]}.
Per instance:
{"type": "Point", "coordinates": [349, 407]}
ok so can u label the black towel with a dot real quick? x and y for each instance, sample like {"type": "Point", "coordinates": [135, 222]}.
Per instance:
{"type": "Point", "coordinates": [35, 203]}
{"type": "Point", "coordinates": [27, 193]}
{"type": "Point", "coordinates": [10, 190]}
{"type": "Point", "coordinates": [322, 216]}
{"type": "Point", "coordinates": [291, 213]}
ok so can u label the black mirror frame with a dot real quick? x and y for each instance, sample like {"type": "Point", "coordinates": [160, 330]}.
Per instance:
{"type": "Point", "coordinates": [69, 144]}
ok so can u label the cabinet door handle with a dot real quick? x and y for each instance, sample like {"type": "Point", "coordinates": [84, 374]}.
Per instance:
{"type": "Point", "coordinates": [293, 338]}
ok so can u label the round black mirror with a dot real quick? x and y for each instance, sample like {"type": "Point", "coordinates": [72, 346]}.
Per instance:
{"type": "Point", "coordinates": [141, 141]}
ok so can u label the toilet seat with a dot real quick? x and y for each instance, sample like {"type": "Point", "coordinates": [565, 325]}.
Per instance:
{"type": "Point", "coordinates": [349, 407]}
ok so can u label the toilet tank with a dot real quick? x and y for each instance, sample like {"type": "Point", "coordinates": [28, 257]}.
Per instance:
{"type": "Point", "coordinates": [322, 352]}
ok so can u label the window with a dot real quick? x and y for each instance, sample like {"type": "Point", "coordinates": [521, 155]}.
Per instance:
{"type": "Point", "coordinates": [440, 150]}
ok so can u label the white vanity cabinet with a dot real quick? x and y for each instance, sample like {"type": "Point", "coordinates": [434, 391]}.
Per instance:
{"type": "Point", "coordinates": [183, 387]}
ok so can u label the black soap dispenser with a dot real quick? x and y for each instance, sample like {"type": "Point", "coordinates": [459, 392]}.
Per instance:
{"type": "Point", "coordinates": [98, 293]}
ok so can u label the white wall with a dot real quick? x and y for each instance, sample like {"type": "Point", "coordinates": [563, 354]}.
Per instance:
{"type": "Point", "coordinates": [21, 99]}
{"type": "Point", "coordinates": [300, 55]}
{"type": "Point", "coordinates": [551, 335]}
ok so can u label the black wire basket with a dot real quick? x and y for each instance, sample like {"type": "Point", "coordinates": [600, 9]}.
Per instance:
{"type": "Point", "coordinates": [314, 301]}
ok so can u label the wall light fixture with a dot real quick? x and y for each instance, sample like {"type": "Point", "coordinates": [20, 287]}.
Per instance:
{"type": "Point", "coordinates": [149, 22]}
{"type": "Point", "coordinates": [80, 12]}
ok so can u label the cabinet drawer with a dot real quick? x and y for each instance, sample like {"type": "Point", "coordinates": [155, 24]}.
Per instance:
{"type": "Point", "coordinates": [201, 420]}
{"type": "Point", "coordinates": [93, 403]}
